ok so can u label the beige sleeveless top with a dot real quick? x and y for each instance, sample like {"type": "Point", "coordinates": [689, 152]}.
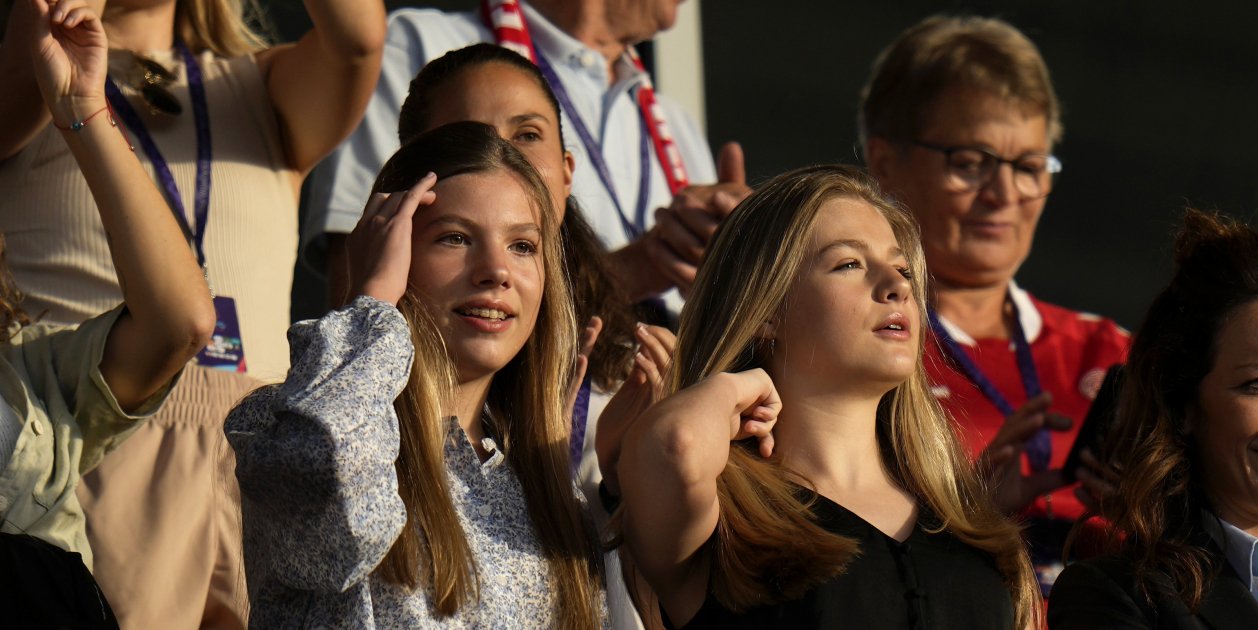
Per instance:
{"type": "Point", "coordinates": [56, 245]}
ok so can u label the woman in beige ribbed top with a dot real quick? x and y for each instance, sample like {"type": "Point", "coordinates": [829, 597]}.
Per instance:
{"type": "Point", "coordinates": [163, 518]}
{"type": "Point", "coordinates": [273, 114]}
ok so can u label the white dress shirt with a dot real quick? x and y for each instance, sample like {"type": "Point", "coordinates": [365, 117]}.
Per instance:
{"type": "Point", "coordinates": [342, 183]}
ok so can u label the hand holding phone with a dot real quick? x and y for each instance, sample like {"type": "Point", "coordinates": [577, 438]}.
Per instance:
{"type": "Point", "coordinates": [1097, 424]}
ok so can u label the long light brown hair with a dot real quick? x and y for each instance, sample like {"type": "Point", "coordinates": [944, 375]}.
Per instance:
{"type": "Point", "coordinates": [768, 547]}
{"type": "Point", "coordinates": [1156, 513]}
{"type": "Point", "coordinates": [595, 289]}
{"type": "Point", "coordinates": [526, 409]}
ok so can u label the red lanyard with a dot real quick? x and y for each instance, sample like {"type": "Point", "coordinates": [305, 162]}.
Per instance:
{"type": "Point", "coordinates": [506, 19]}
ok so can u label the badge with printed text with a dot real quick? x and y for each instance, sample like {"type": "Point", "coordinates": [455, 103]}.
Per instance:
{"type": "Point", "coordinates": [225, 350]}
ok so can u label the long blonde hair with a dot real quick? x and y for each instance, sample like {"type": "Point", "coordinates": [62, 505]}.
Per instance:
{"type": "Point", "coordinates": [525, 402]}
{"type": "Point", "coordinates": [768, 548]}
{"type": "Point", "coordinates": [228, 28]}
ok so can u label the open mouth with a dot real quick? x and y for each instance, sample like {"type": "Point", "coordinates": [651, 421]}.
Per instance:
{"type": "Point", "coordinates": [492, 314]}
{"type": "Point", "coordinates": [896, 324]}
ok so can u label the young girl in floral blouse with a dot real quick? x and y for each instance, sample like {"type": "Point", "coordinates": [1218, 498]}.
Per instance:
{"type": "Point", "coordinates": [413, 467]}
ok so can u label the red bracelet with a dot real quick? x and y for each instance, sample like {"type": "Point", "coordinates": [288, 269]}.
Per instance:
{"type": "Point", "coordinates": [77, 125]}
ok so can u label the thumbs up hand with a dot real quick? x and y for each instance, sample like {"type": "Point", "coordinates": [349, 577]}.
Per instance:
{"type": "Point", "coordinates": [682, 230]}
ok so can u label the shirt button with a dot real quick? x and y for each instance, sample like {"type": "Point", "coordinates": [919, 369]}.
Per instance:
{"type": "Point", "coordinates": [484, 510]}
{"type": "Point", "coordinates": [587, 59]}
{"type": "Point", "coordinates": [36, 428]}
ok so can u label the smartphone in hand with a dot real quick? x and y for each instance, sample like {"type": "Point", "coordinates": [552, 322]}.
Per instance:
{"type": "Point", "coordinates": [1096, 425]}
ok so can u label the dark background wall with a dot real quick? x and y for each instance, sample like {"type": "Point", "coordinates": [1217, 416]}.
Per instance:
{"type": "Point", "coordinates": [1157, 99]}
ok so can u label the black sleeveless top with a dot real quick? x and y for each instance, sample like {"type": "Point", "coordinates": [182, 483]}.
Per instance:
{"type": "Point", "coordinates": [928, 582]}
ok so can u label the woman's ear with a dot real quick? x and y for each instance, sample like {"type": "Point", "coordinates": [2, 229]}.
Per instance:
{"type": "Point", "coordinates": [569, 166]}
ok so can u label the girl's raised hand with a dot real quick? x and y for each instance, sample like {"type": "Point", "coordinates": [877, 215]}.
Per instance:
{"type": "Point", "coordinates": [379, 248]}
{"type": "Point", "coordinates": [71, 58]}
{"type": "Point", "coordinates": [756, 408]}
{"type": "Point", "coordinates": [643, 388]}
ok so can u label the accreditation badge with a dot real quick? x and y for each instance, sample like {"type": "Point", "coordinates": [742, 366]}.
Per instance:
{"type": "Point", "coordinates": [225, 351]}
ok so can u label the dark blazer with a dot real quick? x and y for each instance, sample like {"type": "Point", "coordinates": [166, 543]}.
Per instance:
{"type": "Point", "coordinates": [1102, 593]}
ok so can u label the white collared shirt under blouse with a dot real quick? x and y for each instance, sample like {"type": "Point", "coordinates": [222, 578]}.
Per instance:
{"type": "Point", "coordinates": [341, 184]}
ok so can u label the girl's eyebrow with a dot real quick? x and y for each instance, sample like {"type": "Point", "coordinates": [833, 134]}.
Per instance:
{"type": "Point", "coordinates": [458, 221]}
{"type": "Point", "coordinates": [524, 227]}
{"type": "Point", "coordinates": [527, 117]}
{"type": "Point", "coordinates": [451, 219]}
{"type": "Point", "coordinates": [860, 246]}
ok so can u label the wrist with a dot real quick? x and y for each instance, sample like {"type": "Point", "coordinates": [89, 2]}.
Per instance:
{"type": "Point", "coordinates": [377, 292]}
{"type": "Point", "coordinates": [69, 110]}
{"type": "Point", "coordinates": [727, 383]}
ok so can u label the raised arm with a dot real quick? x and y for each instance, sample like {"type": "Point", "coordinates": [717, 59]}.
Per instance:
{"type": "Point", "coordinates": [169, 316]}
{"type": "Point", "coordinates": [669, 465]}
{"type": "Point", "coordinates": [320, 85]}
{"type": "Point", "coordinates": [315, 456]}
{"type": "Point", "coordinates": [21, 107]}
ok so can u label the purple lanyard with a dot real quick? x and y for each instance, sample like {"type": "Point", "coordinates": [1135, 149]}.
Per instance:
{"type": "Point", "coordinates": [196, 89]}
{"type": "Point", "coordinates": [637, 225]}
{"type": "Point", "coordinates": [580, 413]}
{"type": "Point", "coordinates": [1040, 447]}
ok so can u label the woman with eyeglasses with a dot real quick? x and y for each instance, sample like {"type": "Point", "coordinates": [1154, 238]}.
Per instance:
{"type": "Point", "coordinates": [958, 121]}
{"type": "Point", "coordinates": [227, 126]}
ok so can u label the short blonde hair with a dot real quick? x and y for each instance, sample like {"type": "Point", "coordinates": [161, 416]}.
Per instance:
{"type": "Point", "coordinates": [942, 52]}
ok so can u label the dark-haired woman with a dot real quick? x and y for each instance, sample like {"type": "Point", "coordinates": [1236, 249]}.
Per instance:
{"type": "Point", "coordinates": [1186, 447]}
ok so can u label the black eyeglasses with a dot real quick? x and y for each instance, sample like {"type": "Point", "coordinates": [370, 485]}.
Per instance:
{"type": "Point", "coordinates": [971, 168]}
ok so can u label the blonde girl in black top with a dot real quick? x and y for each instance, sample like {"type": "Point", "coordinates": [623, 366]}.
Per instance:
{"type": "Point", "coordinates": [800, 474]}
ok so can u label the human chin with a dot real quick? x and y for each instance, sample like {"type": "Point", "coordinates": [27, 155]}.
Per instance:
{"type": "Point", "coordinates": [478, 357]}
{"type": "Point", "coordinates": [971, 260]}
